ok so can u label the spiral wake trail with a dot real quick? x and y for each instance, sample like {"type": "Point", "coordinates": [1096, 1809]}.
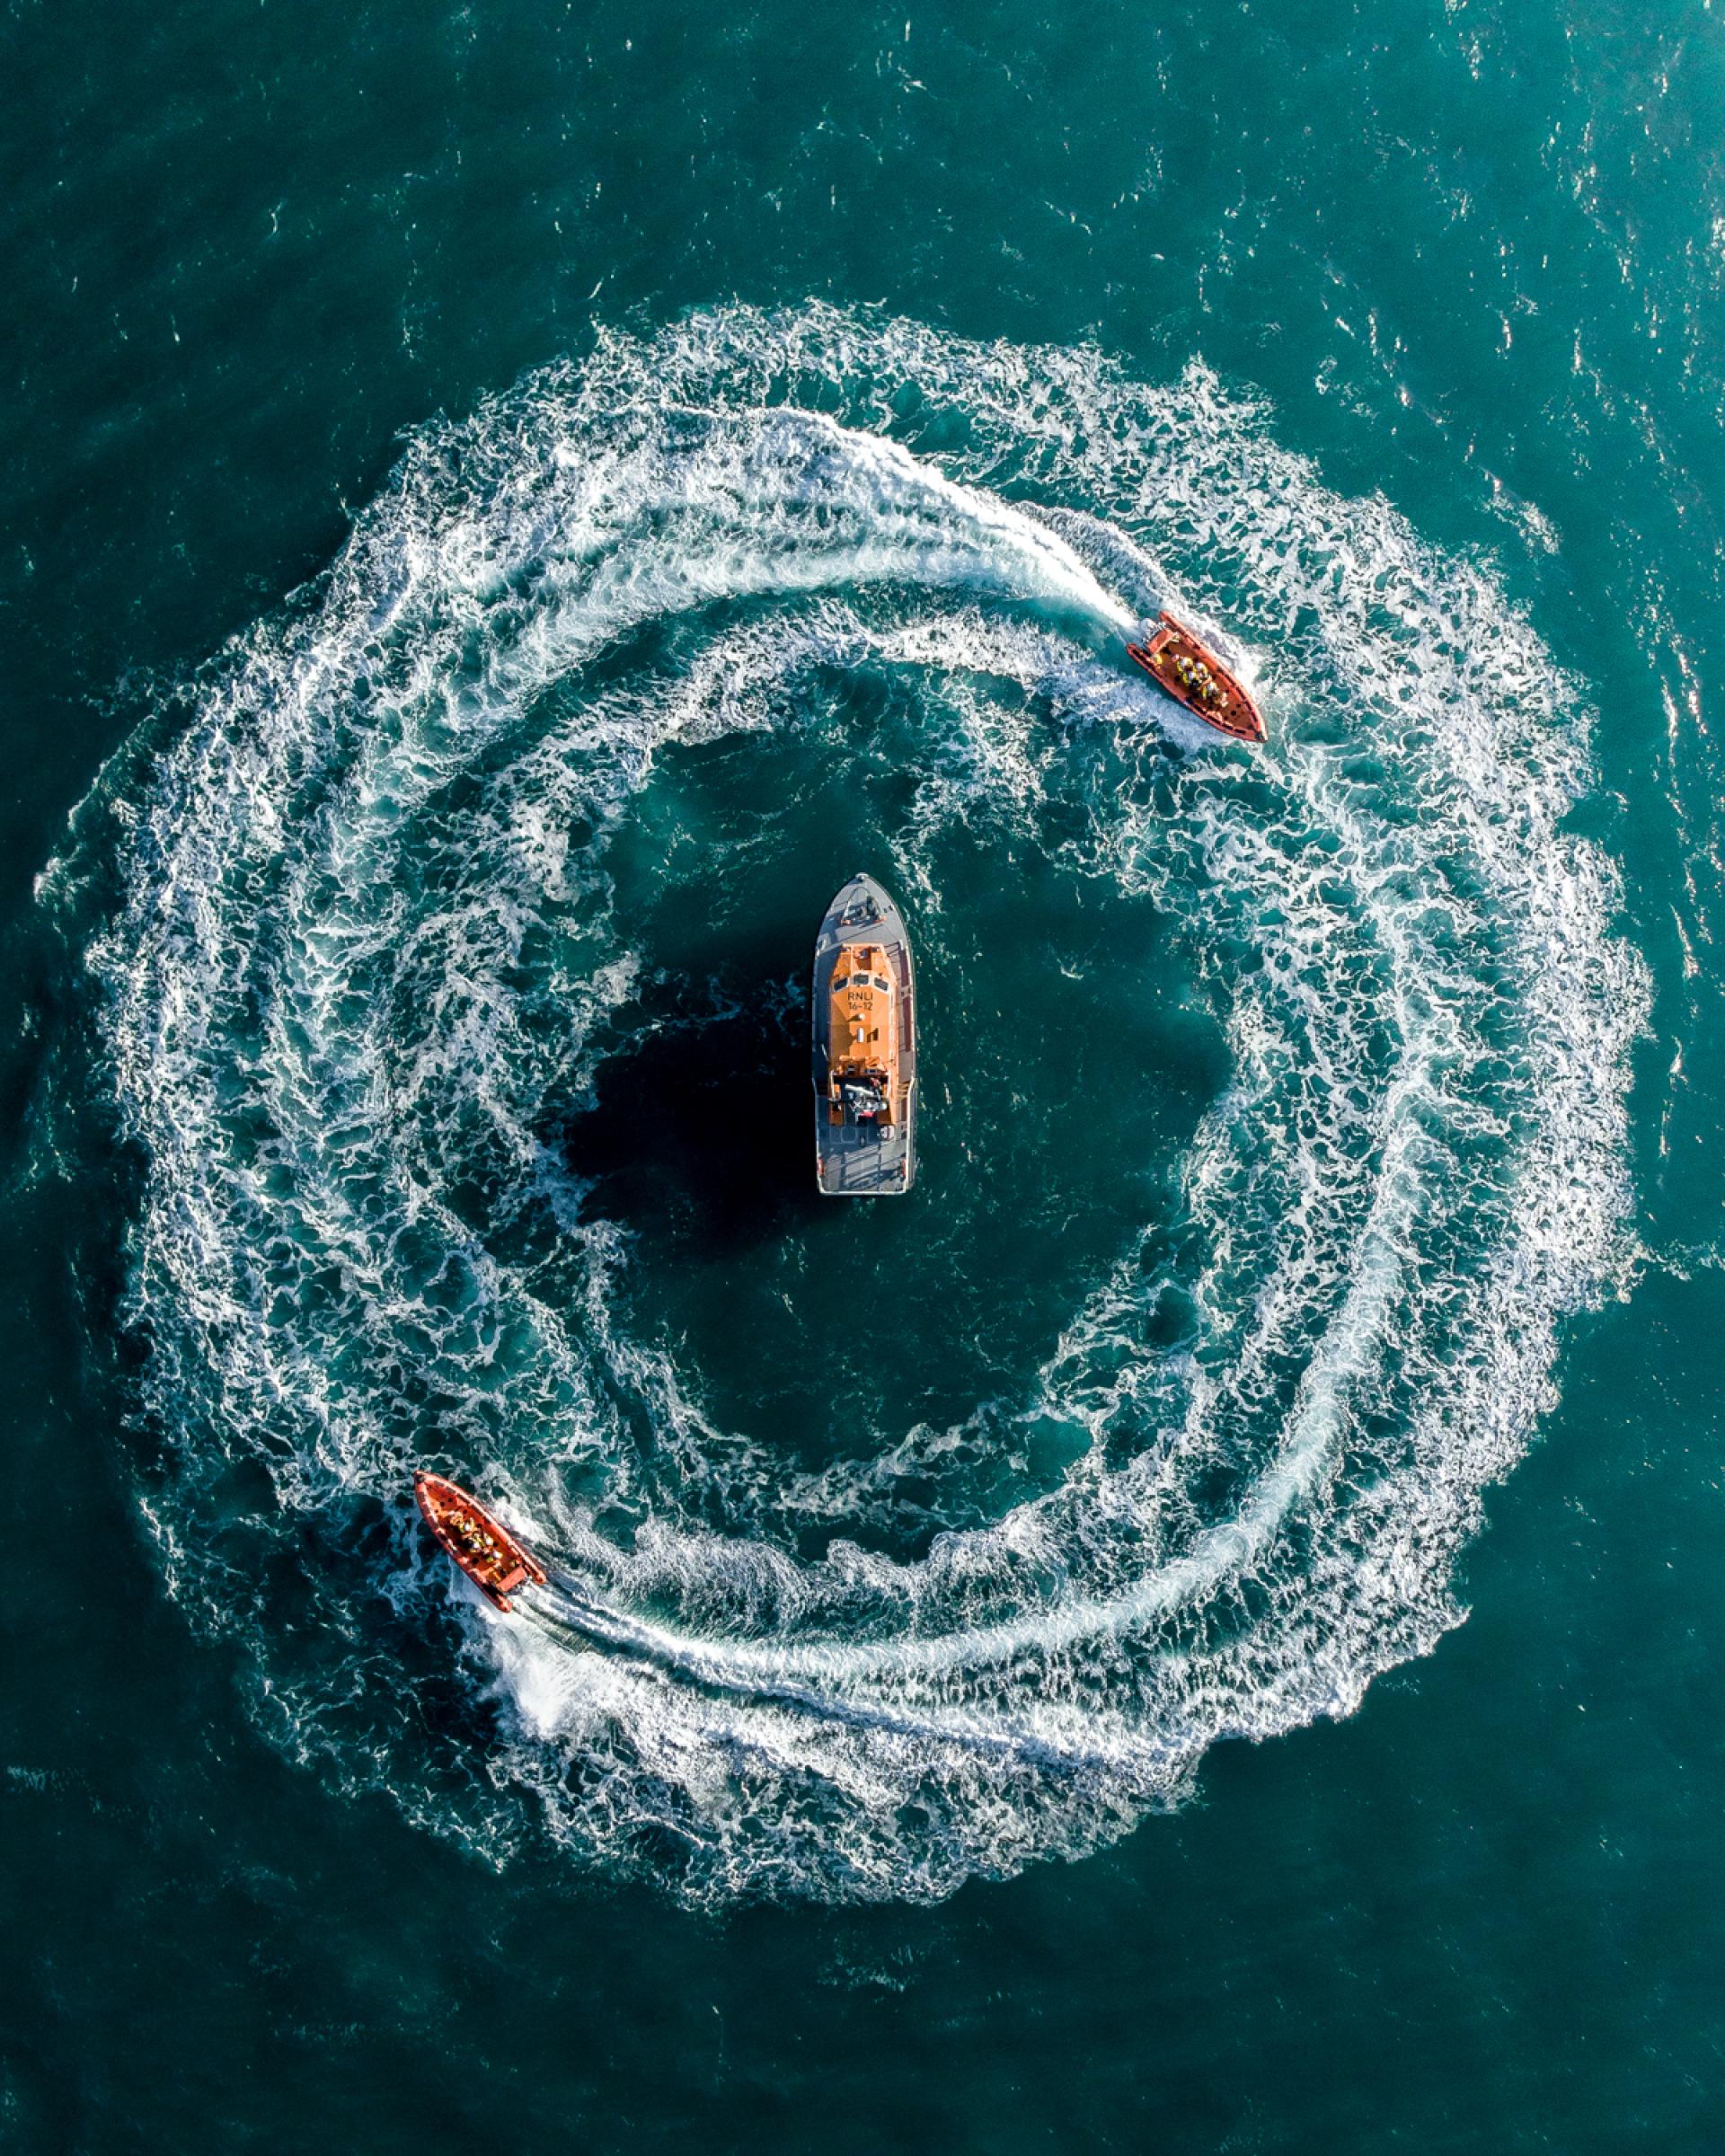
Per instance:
{"type": "Point", "coordinates": [445, 935]}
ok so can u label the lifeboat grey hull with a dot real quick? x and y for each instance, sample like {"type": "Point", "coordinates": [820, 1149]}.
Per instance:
{"type": "Point", "coordinates": [860, 1160]}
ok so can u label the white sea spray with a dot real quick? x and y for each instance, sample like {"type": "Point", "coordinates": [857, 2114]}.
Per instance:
{"type": "Point", "coordinates": [365, 932]}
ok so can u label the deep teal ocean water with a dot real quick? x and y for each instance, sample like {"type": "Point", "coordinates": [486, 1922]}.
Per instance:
{"type": "Point", "coordinates": [1200, 1630]}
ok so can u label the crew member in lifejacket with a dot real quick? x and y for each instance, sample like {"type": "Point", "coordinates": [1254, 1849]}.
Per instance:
{"type": "Point", "coordinates": [474, 1538]}
{"type": "Point", "coordinates": [1195, 677]}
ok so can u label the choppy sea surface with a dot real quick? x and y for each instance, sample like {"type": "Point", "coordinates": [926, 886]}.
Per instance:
{"type": "Point", "coordinates": [1197, 1628]}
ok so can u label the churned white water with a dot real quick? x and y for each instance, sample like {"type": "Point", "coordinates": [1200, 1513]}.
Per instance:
{"type": "Point", "coordinates": [363, 936]}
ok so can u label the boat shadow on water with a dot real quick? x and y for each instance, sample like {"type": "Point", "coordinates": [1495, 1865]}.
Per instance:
{"type": "Point", "coordinates": [699, 1133]}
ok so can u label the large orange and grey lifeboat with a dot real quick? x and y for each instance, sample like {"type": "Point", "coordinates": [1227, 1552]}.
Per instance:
{"type": "Point", "coordinates": [865, 1047]}
{"type": "Point", "coordinates": [1183, 665]}
{"type": "Point", "coordinates": [485, 1549]}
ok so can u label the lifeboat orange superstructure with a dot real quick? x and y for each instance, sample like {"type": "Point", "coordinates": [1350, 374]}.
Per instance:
{"type": "Point", "coordinates": [865, 1026]}
{"type": "Point", "coordinates": [863, 1033]}
{"type": "Point", "coordinates": [1183, 665]}
{"type": "Point", "coordinates": [485, 1549]}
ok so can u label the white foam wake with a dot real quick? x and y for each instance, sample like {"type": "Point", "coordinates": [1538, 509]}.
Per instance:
{"type": "Point", "coordinates": [365, 933]}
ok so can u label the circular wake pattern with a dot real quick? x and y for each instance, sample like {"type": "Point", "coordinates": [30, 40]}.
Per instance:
{"type": "Point", "coordinates": [449, 973]}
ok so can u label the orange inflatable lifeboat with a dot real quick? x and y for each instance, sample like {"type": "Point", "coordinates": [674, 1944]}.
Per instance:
{"type": "Point", "coordinates": [485, 1549]}
{"type": "Point", "coordinates": [1193, 675]}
